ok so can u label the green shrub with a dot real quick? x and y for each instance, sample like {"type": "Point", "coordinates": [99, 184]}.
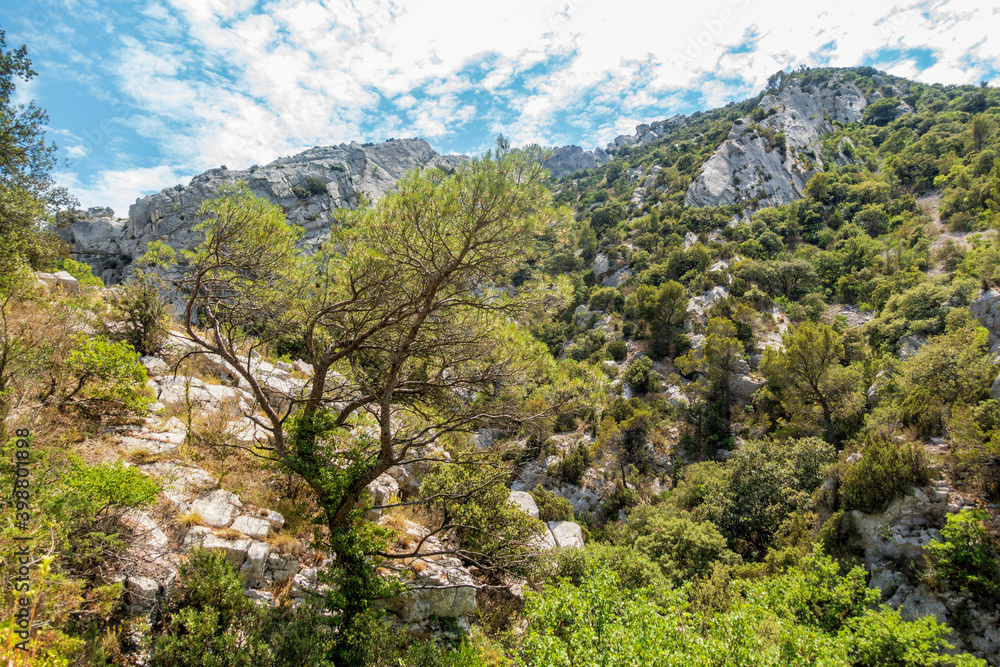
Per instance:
{"type": "Point", "coordinates": [810, 616]}
{"type": "Point", "coordinates": [839, 536]}
{"type": "Point", "coordinates": [634, 569]}
{"type": "Point", "coordinates": [573, 465]}
{"type": "Point", "coordinates": [551, 507]}
{"type": "Point", "coordinates": [641, 376]}
{"type": "Point", "coordinates": [82, 272]}
{"type": "Point", "coordinates": [618, 350]}
{"type": "Point", "coordinates": [622, 498]}
{"type": "Point", "coordinates": [966, 558]}
{"type": "Point", "coordinates": [139, 316]}
{"type": "Point", "coordinates": [316, 186]}
{"type": "Point", "coordinates": [109, 377]}
{"type": "Point", "coordinates": [886, 471]}
{"type": "Point", "coordinates": [682, 547]}
{"type": "Point", "coordinates": [108, 484]}
{"type": "Point", "coordinates": [883, 639]}
{"type": "Point", "coordinates": [208, 621]}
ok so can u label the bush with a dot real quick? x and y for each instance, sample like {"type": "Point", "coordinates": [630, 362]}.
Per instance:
{"type": "Point", "coordinates": [108, 376]}
{"type": "Point", "coordinates": [573, 465]}
{"type": "Point", "coordinates": [641, 376]}
{"type": "Point", "coordinates": [82, 273]}
{"type": "Point", "coordinates": [634, 569]}
{"type": "Point", "coordinates": [316, 186]}
{"type": "Point", "coordinates": [108, 484]}
{"type": "Point", "coordinates": [885, 472]}
{"type": "Point", "coordinates": [139, 316]}
{"type": "Point", "coordinates": [621, 499]}
{"type": "Point", "coordinates": [618, 350]}
{"type": "Point", "coordinates": [551, 507]}
{"type": "Point", "coordinates": [682, 547]}
{"type": "Point", "coordinates": [966, 557]}
{"type": "Point", "coordinates": [209, 622]}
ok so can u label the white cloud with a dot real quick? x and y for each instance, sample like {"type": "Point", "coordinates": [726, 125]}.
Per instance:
{"type": "Point", "coordinates": [254, 80]}
{"type": "Point", "coordinates": [24, 91]}
{"type": "Point", "coordinates": [120, 188]}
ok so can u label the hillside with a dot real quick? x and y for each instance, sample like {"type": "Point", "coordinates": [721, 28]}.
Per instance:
{"type": "Point", "coordinates": [725, 387]}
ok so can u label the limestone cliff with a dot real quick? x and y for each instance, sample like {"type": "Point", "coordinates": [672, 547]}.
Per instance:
{"type": "Point", "coordinates": [769, 162]}
{"type": "Point", "coordinates": [310, 187]}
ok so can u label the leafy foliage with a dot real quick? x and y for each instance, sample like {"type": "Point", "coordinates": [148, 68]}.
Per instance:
{"type": "Point", "coordinates": [966, 557]}
{"type": "Point", "coordinates": [886, 471]}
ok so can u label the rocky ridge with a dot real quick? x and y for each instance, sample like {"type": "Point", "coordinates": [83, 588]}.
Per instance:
{"type": "Point", "coordinates": [769, 163]}
{"type": "Point", "coordinates": [311, 187]}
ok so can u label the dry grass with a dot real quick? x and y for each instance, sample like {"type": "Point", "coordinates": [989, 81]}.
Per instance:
{"type": "Point", "coordinates": [227, 533]}
{"type": "Point", "coordinates": [314, 558]}
{"type": "Point", "coordinates": [196, 366]}
{"type": "Point", "coordinates": [286, 544]}
{"type": "Point", "coordinates": [190, 519]}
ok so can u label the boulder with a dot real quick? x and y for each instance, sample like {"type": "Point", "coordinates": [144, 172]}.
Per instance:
{"type": "Point", "coordinates": [218, 508]}
{"type": "Point", "coordinates": [60, 280]}
{"type": "Point", "coordinates": [617, 278]}
{"type": "Point", "coordinates": [235, 551]}
{"type": "Point", "coordinates": [274, 518]}
{"type": "Point", "coordinates": [564, 534]}
{"type": "Point", "coordinates": [698, 307]}
{"type": "Point", "coordinates": [524, 501]}
{"type": "Point", "coordinates": [383, 488]}
{"type": "Point", "coordinates": [141, 593]}
{"type": "Point", "coordinates": [743, 387]}
{"type": "Point", "coordinates": [150, 540]}
{"type": "Point", "coordinates": [154, 442]}
{"type": "Point", "coordinates": [261, 597]}
{"type": "Point", "coordinates": [255, 563]}
{"type": "Point", "coordinates": [154, 366]}
{"type": "Point", "coordinates": [909, 345]}
{"type": "Point", "coordinates": [601, 265]}
{"type": "Point", "coordinates": [280, 569]}
{"type": "Point", "coordinates": [442, 587]}
{"type": "Point", "coordinates": [986, 308]}
{"type": "Point", "coordinates": [305, 582]}
{"type": "Point", "coordinates": [251, 526]}
{"type": "Point", "coordinates": [246, 431]}
{"type": "Point", "coordinates": [181, 482]}
{"type": "Point", "coordinates": [195, 537]}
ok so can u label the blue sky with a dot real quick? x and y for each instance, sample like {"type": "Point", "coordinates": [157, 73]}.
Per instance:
{"type": "Point", "coordinates": [144, 94]}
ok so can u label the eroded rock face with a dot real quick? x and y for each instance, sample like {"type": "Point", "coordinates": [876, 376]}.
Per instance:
{"type": "Point", "coordinates": [310, 187]}
{"type": "Point", "coordinates": [568, 159]}
{"type": "Point", "coordinates": [754, 167]}
{"type": "Point", "coordinates": [899, 535]}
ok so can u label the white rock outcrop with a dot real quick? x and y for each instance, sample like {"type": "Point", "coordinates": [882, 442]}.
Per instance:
{"type": "Point", "coordinates": [525, 502]}
{"type": "Point", "coordinates": [310, 187]}
{"type": "Point", "coordinates": [754, 167]}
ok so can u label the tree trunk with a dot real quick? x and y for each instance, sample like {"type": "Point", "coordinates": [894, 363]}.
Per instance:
{"type": "Point", "coordinates": [828, 418]}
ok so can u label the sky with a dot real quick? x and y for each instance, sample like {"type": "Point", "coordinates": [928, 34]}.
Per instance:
{"type": "Point", "coordinates": [144, 94]}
